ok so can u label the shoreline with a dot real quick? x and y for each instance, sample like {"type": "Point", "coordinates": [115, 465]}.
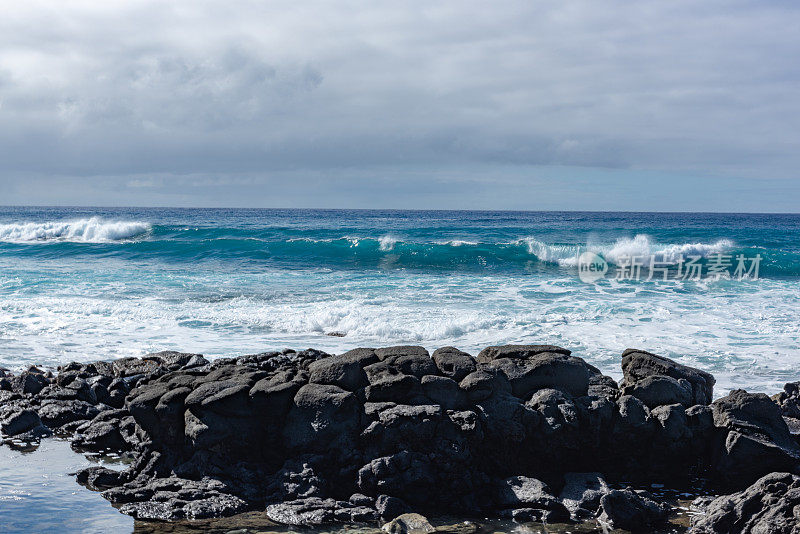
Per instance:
{"type": "Point", "coordinates": [524, 433]}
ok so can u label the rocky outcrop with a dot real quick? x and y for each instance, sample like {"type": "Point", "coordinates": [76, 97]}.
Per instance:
{"type": "Point", "coordinates": [770, 506]}
{"type": "Point", "coordinates": [527, 432]}
{"type": "Point", "coordinates": [631, 510]}
{"type": "Point", "coordinates": [658, 381]}
{"type": "Point", "coordinates": [752, 438]}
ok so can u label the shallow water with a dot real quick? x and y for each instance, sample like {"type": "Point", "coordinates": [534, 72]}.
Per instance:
{"type": "Point", "coordinates": [87, 283]}
{"type": "Point", "coordinates": [38, 494]}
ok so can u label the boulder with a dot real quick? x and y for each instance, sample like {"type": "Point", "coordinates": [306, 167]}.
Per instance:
{"type": "Point", "coordinates": [23, 422]}
{"type": "Point", "coordinates": [100, 478]}
{"type": "Point", "coordinates": [603, 386]}
{"type": "Point", "coordinates": [29, 382]}
{"type": "Point", "coordinates": [413, 351]}
{"type": "Point", "coordinates": [315, 511]}
{"type": "Point", "coordinates": [789, 400]}
{"type": "Point", "coordinates": [638, 365]}
{"type": "Point", "coordinates": [414, 364]}
{"type": "Point", "coordinates": [523, 352]}
{"type": "Point", "coordinates": [102, 433]}
{"type": "Point", "coordinates": [581, 494]}
{"type": "Point", "coordinates": [770, 506]}
{"type": "Point", "coordinates": [661, 390]}
{"type": "Point", "coordinates": [408, 524]}
{"type": "Point", "coordinates": [752, 440]}
{"type": "Point", "coordinates": [389, 507]}
{"type": "Point", "coordinates": [533, 497]}
{"type": "Point", "coordinates": [453, 363]}
{"type": "Point", "coordinates": [56, 413]}
{"type": "Point", "coordinates": [345, 371]}
{"type": "Point", "coordinates": [480, 385]}
{"type": "Point", "coordinates": [632, 510]}
{"type": "Point", "coordinates": [533, 367]}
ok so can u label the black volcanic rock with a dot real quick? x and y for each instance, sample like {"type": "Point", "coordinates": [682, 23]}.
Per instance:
{"type": "Point", "coordinates": [752, 438]}
{"type": "Point", "coordinates": [314, 438]}
{"type": "Point", "coordinates": [770, 506]}
{"type": "Point", "coordinates": [632, 510]}
{"type": "Point", "coordinates": [453, 363]}
{"type": "Point", "coordinates": [639, 365]}
{"type": "Point", "coordinates": [533, 367]}
{"type": "Point", "coordinates": [345, 371]}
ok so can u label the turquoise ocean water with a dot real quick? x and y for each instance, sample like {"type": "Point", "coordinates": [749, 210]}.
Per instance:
{"type": "Point", "coordinates": [92, 283]}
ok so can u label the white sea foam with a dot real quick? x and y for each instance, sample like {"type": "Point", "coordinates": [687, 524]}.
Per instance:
{"type": "Point", "coordinates": [387, 242]}
{"type": "Point", "coordinates": [457, 243]}
{"type": "Point", "coordinates": [92, 230]}
{"type": "Point", "coordinates": [640, 246]}
{"type": "Point", "coordinates": [750, 340]}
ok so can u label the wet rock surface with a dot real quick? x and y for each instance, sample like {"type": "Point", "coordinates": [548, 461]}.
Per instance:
{"type": "Point", "coordinates": [525, 432]}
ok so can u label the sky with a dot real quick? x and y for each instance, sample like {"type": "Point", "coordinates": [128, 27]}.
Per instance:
{"type": "Point", "coordinates": [616, 105]}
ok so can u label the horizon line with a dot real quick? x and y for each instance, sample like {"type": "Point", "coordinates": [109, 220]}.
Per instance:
{"type": "Point", "coordinates": [484, 210]}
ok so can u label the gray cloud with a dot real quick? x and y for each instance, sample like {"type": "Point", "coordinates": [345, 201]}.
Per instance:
{"type": "Point", "coordinates": [154, 93]}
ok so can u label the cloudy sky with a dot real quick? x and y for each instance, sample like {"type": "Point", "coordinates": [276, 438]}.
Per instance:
{"type": "Point", "coordinates": [663, 105]}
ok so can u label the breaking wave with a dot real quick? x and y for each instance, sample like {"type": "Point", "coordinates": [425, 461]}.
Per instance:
{"type": "Point", "coordinates": [92, 230]}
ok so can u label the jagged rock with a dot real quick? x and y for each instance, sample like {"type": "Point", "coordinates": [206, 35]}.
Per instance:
{"type": "Point", "coordinates": [100, 478]}
{"type": "Point", "coordinates": [533, 497]}
{"type": "Point", "coordinates": [393, 361]}
{"type": "Point", "coordinates": [524, 352]}
{"type": "Point", "coordinates": [130, 367]}
{"type": "Point", "coordinates": [296, 480]}
{"type": "Point", "coordinates": [453, 363]}
{"type": "Point", "coordinates": [315, 511]}
{"type": "Point", "coordinates": [322, 417]}
{"type": "Point", "coordinates": [581, 494]}
{"type": "Point", "coordinates": [661, 390]}
{"type": "Point", "coordinates": [770, 506]}
{"type": "Point", "coordinates": [603, 386]}
{"type": "Point", "coordinates": [154, 511]}
{"type": "Point", "coordinates": [222, 505]}
{"type": "Point", "coordinates": [410, 523]}
{"type": "Point", "coordinates": [638, 365]}
{"type": "Point", "coordinates": [29, 382]}
{"type": "Point", "coordinates": [102, 433]}
{"type": "Point", "coordinates": [631, 510]}
{"type": "Point", "coordinates": [530, 368]}
{"type": "Point", "coordinates": [23, 423]}
{"type": "Point", "coordinates": [753, 438]}
{"type": "Point", "coordinates": [302, 431]}
{"type": "Point", "coordinates": [56, 413]}
{"type": "Point", "coordinates": [389, 507]}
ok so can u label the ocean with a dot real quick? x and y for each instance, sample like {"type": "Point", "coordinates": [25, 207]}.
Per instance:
{"type": "Point", "coordinates": [82, 284]}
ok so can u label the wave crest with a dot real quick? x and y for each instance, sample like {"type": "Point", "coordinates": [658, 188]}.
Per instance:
{"type": "Point", "coordinates": [92, 230]}
{"type": "Point", "coordinates": [640, 246]}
